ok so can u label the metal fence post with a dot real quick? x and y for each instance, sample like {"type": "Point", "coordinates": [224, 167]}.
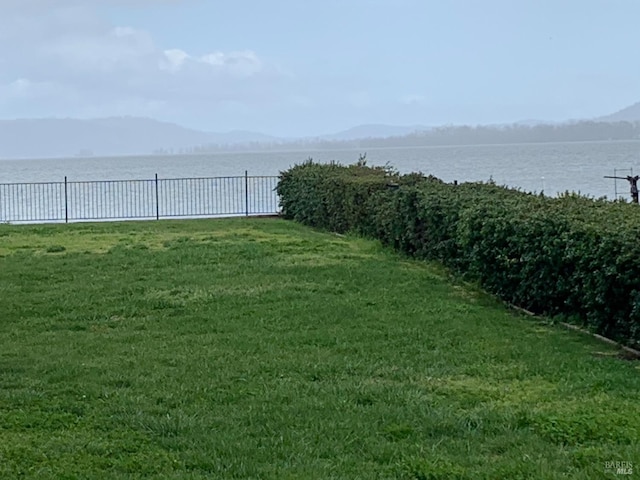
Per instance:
{"type": "Point", "coordinates": [66, 202]}
{"type": "Point", "coordinates": [157, 200]}
{"type": "Point", "coordinates": [246, 192]}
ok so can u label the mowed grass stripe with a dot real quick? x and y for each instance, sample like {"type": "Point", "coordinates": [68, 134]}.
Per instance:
{"type": "Point", "coordinates": [263, 349]}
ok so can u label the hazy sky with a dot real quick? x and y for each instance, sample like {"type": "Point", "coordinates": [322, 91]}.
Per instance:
{"type": "Point", "coordinates": [302, 67]}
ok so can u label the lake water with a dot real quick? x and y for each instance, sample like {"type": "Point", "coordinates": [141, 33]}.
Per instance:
{"type": "Point", "coordinates": [554, 168]}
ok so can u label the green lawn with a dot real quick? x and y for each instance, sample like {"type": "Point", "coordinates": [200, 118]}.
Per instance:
{"type": "Point", "coordinates": [264, 349]}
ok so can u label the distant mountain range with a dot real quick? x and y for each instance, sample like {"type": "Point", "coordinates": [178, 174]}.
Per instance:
{"type": "Point", "coordinates": [628, 114]}
{"type": "Point", "coordinates": [65, 137]}
{"type": "Point", "coordinates": [36, 138]}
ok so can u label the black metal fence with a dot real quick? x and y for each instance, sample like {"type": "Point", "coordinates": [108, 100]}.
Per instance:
{"type": "Point", "coordinates": [138, 199]}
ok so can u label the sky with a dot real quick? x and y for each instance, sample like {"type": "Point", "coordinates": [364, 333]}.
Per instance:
{"type": "Point", "coordinates": [310, 67]}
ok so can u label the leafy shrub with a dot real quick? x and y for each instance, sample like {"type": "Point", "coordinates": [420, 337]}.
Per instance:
{"type": "Point", "coordinates": [570, 256]}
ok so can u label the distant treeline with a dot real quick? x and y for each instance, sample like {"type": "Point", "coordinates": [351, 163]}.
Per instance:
{"type": "Point", "coordinates": [454, 135]}
{"type": "Point", "coordinates": [479, 135]}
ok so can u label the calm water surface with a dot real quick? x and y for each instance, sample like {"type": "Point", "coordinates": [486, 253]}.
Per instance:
{"type": "Point", "coordinates": [554, 168]}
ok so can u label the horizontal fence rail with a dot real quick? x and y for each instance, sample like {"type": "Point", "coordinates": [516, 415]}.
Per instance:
{"type": "Point", "coordinates": [138, 199]}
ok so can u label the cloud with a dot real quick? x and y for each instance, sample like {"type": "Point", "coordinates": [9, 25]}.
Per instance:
{"type": "Point", "coordinates": [241, 64]}
{"type": "Point", "coordinates": [88, 64]}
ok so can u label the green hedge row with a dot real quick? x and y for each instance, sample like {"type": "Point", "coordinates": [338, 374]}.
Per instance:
{"type": "Point", "coordinates": [569, 256]}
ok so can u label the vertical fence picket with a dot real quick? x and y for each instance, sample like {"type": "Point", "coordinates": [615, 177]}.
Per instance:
{"type": "Point", "coordinates": [157, 199]}
{"type": "Point", "coordinates": [66, 201]}
{"type": "Point", "coordinates": [246, 192]}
